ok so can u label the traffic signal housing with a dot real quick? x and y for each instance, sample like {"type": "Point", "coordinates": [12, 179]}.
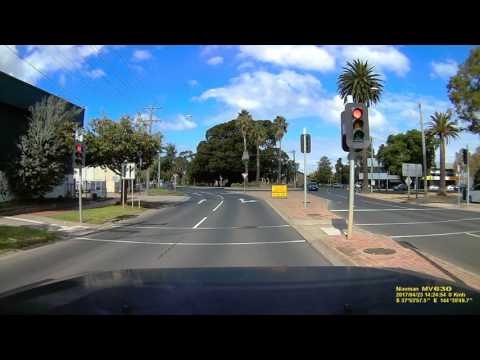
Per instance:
{"type": "Point", "coordinates": [355, 127]}
{"type": "Point", "coordinates": [465, 156]}
{"type": "Point", "coordinates": [79, 156]}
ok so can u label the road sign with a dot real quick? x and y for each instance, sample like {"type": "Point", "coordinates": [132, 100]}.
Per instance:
{"type": "Point", "coordinates": [245, 156]}
{"type": "Point", "coordinates": [279, 191]}
{"type": "Point", "coordinates": [412, 170]}
{"type": "Point", "coordinates": [308, 143]}
{"type": "Point", "coordinates": [130, 171]}
{"type": "Point", "coordinates": [245, 175]}
{"type": "Point", "coordinates": [408, 180]}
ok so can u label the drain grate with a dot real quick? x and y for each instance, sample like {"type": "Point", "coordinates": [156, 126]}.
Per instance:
{"type": "Point", "coordinates": [379, 251]}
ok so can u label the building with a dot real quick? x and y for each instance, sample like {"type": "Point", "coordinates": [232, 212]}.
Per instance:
{"type": "Point", "coordinates": [382, 178]}
{"type": "Point", "coordinates": [16, 97]}
{"type": "Point", "coordinates": [98, 180]}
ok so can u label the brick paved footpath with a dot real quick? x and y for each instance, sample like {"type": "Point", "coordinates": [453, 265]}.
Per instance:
{"type": "Point", "coordinates": [313, 224]}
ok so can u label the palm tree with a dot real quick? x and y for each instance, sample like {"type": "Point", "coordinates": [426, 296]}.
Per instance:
{"type": "Point", "coordinates": [244, 122]}
{"type": "Point", "coordinates": [365, 86]}
{"type": "Point", "coordinates": [281, 126]}
{"type": "Point", "coordinates": [443, 129]}
{"type": "Point", "coordinates": [260, 135]}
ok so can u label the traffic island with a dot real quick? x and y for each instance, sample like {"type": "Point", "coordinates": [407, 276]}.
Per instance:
{"type": "Point", "coordinates": [23, 237]}
{"type": "Point", "coordinates": [101, 215]}
{"type": "Point", "coordinates": [325, 233]}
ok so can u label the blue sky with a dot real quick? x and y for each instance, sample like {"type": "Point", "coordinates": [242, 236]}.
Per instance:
{"type": "Point", "coordinates": [213, 83]}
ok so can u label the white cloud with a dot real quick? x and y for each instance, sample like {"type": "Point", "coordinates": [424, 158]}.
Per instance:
{"type": "Point", "coordinates": [45, 58]}
{"type": "Point", "coordinates": [193, 83]}
{"type": "Point", "coordinates": [95, 73]}
{"type": "Point", "coordinates": [216, 60]}
{"type": "Point", "coordinates": [383, 57]}
{"type": "Point", "coordinates": [181, 123]}
{"type": "Point", "coordinates": [443, 70]}
{"type": "Point", "coordinates": [245, 65]}
{"type": "Point", "coordinates": [140, 55]}
{"type": "Point", "coordinates": [306, 57]}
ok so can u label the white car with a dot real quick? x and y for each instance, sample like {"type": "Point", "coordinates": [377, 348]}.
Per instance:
{"type": "Point", "coordinates": [433, 187]}
{"type": "Point", "coordinates": [450, 188]}
{"type": "Point", "coordinates": [475, 194]}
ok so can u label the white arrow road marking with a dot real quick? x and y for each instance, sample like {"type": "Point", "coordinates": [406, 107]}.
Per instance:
{"type": "Point", "coordinates": [247, 201]}
{"type": "Point", "coordinates": [200, 222]}
{"type": "Point", "coordinates": [201, 201]}
{"type": "Point", "coordinates": [193, 244]}
{"type": "Point", "coordinates": [216, 207]}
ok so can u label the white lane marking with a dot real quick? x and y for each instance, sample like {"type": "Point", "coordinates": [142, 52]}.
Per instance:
{"type": "Point", "coordinates": [401, 209]}
{"type": "Point", "coordinates": [474, 235]}
{"type": "Point", "coordinates": [200, 222]}
{"type": "Point", "coordinates": [201, 201]}
{"type": "Point", "coordinates": [204, 228]}
{"type": "Point", "coordinates": [195, 193]}
{"type": "Point", "coordinates": [216, 207]}
{"type": "Point", "coordinates": [429, 235]}
{"type": "Point", "coordinates": [21, 219]}
{"type": "Point", "coordinates": [247, 201]}
{"type": "Point", "coordinates": [420, 222]}
{"type": "Point", "coordinates": [192, 244]}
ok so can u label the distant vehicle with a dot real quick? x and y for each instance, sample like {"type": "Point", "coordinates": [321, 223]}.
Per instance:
{"type": "Point", "coordinates": [452, 188]}
{"type": "Point", "coordinates": [338, 186]}
{"type": "Point", "coordinates": [400, 187]}
{"type": "Point", "coordinates": [433, 188]}
{"type": "Point", "coordinates": [312, 186]}
{"type": "Point", "coordinates": [475, 194]}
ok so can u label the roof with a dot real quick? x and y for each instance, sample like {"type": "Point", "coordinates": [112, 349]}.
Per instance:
{"type": "Point", "coordinates": [21, 95]}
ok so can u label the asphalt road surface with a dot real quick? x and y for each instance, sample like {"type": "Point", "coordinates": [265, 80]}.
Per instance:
{"type": "Point", "coordinates": [213, 229]}
{"type": "Point", "coordinates": [449, 234]}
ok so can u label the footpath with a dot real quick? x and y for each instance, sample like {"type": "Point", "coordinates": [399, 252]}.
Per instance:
{"type": "Point", "coordinates": [323, 230]}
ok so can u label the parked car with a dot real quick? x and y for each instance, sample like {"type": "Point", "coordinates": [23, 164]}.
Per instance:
{"type": "Point", "coordinates": [339, 186]}
{"type": "Point", "coordinates": [312, 186]}
{"type": "Point", "coordinates": [400, 187]}
{"type": "Point", "coordinates": [433, 188]}
{"type": "Point", "coordinates": [452, 188]}
{"type": "Point", "coordinates": [475, 193]}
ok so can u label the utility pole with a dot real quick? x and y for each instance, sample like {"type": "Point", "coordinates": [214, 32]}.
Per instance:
{"type": "Point", "coordinates": [159, 166]}
{"type": "Point", "coordinates": [424, 151]}
{"type": "Point", "coordinates": [151, 110]}
{"type": "Point", "coordinates": [468, 177]}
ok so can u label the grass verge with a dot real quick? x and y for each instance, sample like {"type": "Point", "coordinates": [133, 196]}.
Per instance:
{"type": "Point", "coordinates": [19, 237]}
{"type": "Point", "coordinates": [101, 215]}
{"type": "Point", "coordinates": [161, 191]}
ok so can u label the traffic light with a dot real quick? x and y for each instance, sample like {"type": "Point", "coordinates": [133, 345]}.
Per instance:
{"type": "Point", "coordinates": [465, 156]}
{"type": "Point", "coordinates": [355, 128]}
{"type": "Point", "coordinates": [79, 157]}
{"type": "Point", "coordinates": [308, 141]}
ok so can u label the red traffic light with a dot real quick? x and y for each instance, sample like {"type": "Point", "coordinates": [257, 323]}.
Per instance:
{"type": "Point", "coordinates": [78, 148]}
{"type": "Point", "coordinates": [357, 113]}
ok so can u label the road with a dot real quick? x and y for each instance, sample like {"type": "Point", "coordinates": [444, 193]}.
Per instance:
{"type": "Point", "coordinates": [213, 229]}
{"type": "Point", "coordinates": [449, 234]}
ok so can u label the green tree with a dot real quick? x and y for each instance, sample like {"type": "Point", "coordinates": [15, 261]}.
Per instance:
{"type": "Point", "coordinates": [365, 86]}
{"type": "Point", "coordinates": [464, 91]}
{"type": "Point", "coordinates": [324, 171]}
{"type": "Point", "coordinates": [281, 126]}
{"type": "Point", "coordinates": [442, 128]}
{"type": "Point", "coordinates": [260, 135]}
{"type": "Point", "coordinates": [341, 172]}
{"type": "Point", "coordinates": [111, 143]}
{"type": "Point", "coordinates": [45, 151]}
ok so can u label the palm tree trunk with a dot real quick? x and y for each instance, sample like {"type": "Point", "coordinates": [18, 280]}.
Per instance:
{"type": "Point", "coordinates": [258, 163]}
{"type": "Point", "coordinates": [279, 161]}
{"type": "Point", "coordinates": [365, 170]}
{"type": "Point", "coordinates": [442, 167]}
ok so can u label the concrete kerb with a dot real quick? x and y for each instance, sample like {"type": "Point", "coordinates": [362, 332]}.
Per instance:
{"type": "Point", "coordinates": [314, 239]}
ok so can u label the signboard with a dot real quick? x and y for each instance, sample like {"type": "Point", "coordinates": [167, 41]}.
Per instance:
{"type": "Point", "coordinates": [408, 181]}
{"type": "Point", "coordinates": [130, 171]}
{"type": "Point", "coordinates": [305, 140]}
{"type": "Point", "coordinates": [244, 175]}
{"type": "Point", "coordinates": [279, 191]}
{"type": "Point", "coordinates": [413, 170]}
{"type": "Point", "coordinates": [245, 156]}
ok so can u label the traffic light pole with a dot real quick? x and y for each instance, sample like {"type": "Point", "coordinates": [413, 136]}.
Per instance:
{"type": "Point", "coordinates": [80, 194]}
{"type": "Point", "coordinates": [305, 168]}
{"type": "Point", "coordinates": [351, 194]}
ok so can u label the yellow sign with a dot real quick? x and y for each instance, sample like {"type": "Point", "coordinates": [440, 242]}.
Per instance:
{"type": "Point", "coordinates": [279, 191]}
{"type": "Point", "coordinates": [429, 177]}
